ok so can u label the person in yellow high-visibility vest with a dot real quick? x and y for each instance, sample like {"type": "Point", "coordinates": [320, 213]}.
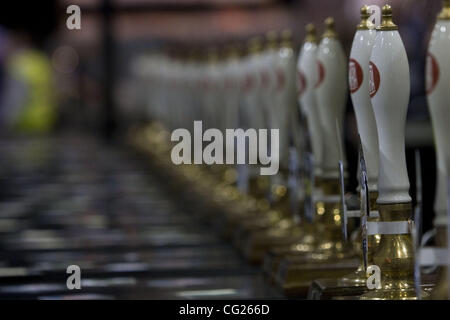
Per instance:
{"type": "Point", "coordinates": [37, 112]}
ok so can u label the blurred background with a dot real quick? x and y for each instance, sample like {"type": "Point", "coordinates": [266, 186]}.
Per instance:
{"type": "Point", "coordinates": [55, 81]}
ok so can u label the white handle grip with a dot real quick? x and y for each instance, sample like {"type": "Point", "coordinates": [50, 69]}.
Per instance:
{"type": "Point", "coordinates": [307, 78]}
{"type": "Point", "coordinates": [438, 95]}
{"type": "Point", "coordinates": [358, 76]}
{"type": "Point", "coordinates": [389, 88]}
{"type": "Point", "coordinates": [331, 95]}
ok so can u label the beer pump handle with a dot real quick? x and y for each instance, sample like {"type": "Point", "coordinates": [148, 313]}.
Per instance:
{"type": "Point", "coordinates": [389, 87]}
{"type": "Point", "coordinates": [358, 78]}
{"type": "Point", "coordinates": [331, 96]}
{"type": "Point", "coordinates": [438, 96]}
{"type": "Point", "coordinates": [307, 79]}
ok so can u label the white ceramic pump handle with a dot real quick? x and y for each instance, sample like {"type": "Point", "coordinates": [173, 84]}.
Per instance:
{"type": "Point", "coordinates": [307, 79]}
{"type": "Point", "coordinates": [331, 96]}
{"type": "Point", "coordinates": [438, 95]}
{"type": "Point", "coordinates": [389, 87]}
{"type": "Point", "coordinates": [358, 78]}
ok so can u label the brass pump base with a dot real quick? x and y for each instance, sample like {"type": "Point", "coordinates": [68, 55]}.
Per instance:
{"type": "Point", "coordinates": [327, 256]}
{"type": "Point", "coordinates": [259, 243]}
{"type": "Point", "coordinates": [294, 277]}
{"type": "Point", "coordinates": [309, 249]}
{"type": "Point", "coordinates": [256, 235]}
{"type": "Point", "coordinates": [276, 254]}
{"type": "Point", "coordinates": [353, 284]}
{"type": "Point", "coordinates": [321, 254]}
{"type": "Point", "coordinates": [395, 258]}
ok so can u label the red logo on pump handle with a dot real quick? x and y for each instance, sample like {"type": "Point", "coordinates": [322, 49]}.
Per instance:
{"type": "Point", "coordinates": [432, 73]}
{"type": "Point", "coordinates": [301, 82]}
{"type": "Point", "coordinates": [320, 73]}
{"type": "Point", "coordinates": [280, 79]}
{"type": "Point", "coordinates": [355, 75]}
{"type": "Point", "coordinates": [374, 79]}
